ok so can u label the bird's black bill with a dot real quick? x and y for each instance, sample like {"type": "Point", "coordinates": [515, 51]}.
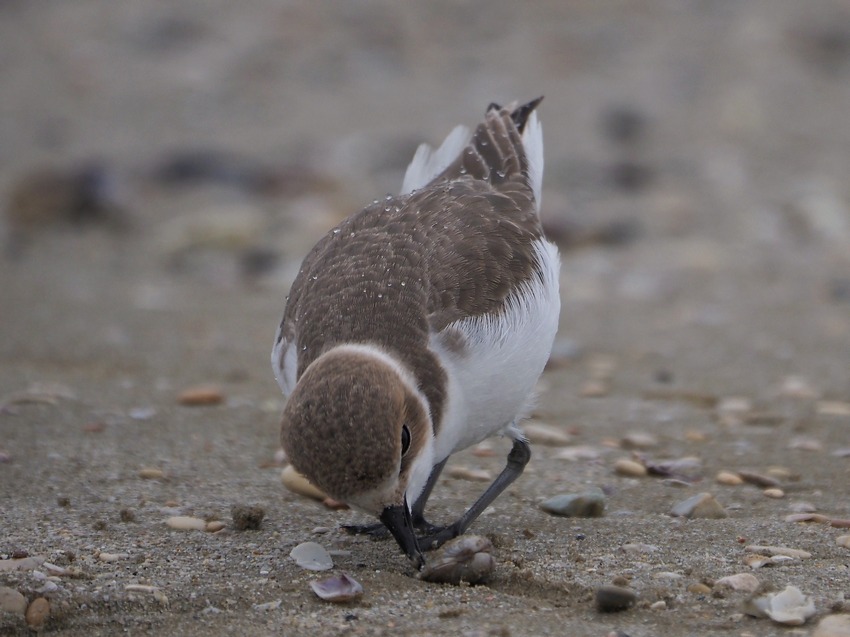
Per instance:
{"type": "Point", "coordinates": [397, 520]}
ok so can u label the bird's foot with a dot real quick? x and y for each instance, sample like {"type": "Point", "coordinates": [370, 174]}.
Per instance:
{"type": "Point", "coordinates": [437, 536]}
{"type": "Point", "coordinates": [376, 531]}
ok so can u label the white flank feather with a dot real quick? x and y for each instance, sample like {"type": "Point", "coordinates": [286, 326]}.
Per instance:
{"type": "Point", "coordinates": [428, 163]}
{"type": "Point", "coordinates": [532, 141]}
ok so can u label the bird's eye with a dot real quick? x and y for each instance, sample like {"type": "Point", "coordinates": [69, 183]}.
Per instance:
{"type": "Point", "coordinates": [405, 440]}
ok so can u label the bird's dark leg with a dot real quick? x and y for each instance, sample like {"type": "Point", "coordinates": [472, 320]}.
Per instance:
{"type": "Point", "coordinates": [518, 457]}
{"type": "Point", "coordinates": [417, 512]}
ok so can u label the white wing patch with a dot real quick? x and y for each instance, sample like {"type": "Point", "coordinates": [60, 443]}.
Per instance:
{"type": "Point", "coordinates": [284, 364]}
{"type": "Point", "coordinates": [532, 142]}
{"type": "Point", "coordinates": [428, 163]}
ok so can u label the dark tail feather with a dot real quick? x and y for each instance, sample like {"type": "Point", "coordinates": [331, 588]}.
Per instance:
{"type": "Point", "coordinates": [520, 115]}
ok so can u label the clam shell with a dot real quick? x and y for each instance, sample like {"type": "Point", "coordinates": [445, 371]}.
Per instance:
{"type": "Point", "coordinates": [341, 588]}
{"type": "Point", "coordinates": [466, 559]}
{"type": "Point", "coordinates": [312, 556]}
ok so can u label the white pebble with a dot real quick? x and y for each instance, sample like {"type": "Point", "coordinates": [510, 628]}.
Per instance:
{"type": "Point", "coordinates": [186, 523]}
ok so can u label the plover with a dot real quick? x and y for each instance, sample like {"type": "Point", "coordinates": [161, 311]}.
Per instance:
{"type": "Point", "coordinates": [420, 325]}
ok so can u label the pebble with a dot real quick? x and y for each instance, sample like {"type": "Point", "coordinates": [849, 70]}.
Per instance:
{"type": "Point", "coordinates": [702, 505]}
{"type": "Point", "coordinates": [746, 582]}
{"type": "Point", "coordinates": [659, 605]}
{"type": "Point", "coordinates": [297, 483]}
{"type": "Point", "coordinates": [579, 452]}
{"type": "Point", "coordinates": [312, 556]}
{"type": "Point", "coordinates": [774, 492]}
{"type": "Point", "coordinates": [186, 523]}
{"type": "Point", "coordinates": [112, 557]}
{"type": "Point", "coordinates": [833, 626]}
{"type": "Point", "coordinates": [214, 526]}
{"type": "Point", "coordinates": [587, 504]}
{"type": "Point", "coordinates": [151, 473]}
{"type": "Point", "coordinates": [729, 479]}
{"type": "Point", "coordinates": [542, 434]}
{"type": "Point", "coordinates": [37, 613]}
{"type": "Point", "coordinates": [638, 547]}
{"type": "Point", "coordinates": [778, 550]}
{"type": "Point", "coordinates": [833, 408]}
{"type": "Point", "coordinates": [699, 589]}
{"type": "Point", "coordinates": [467, 558]}
{"type": "Point", "coordinates": [594, 389]}
{"type": "Point", "coordinates": [631, 468]}
{"type": "Point", "coordinates": [802, 507]}
{"type": "Point", "coordinates": [758, 479]}
{"type": "Point", "coordinates": [732, 411]}
{"type": "Point", "coordinates": [341, 588]}
{"type": "Point", "coordinates": [201, 395]}
{"type": "Point", "coordinates": [638, 440]}
{"type": "Point", "coordinates": [789, 607]}
{"type": "Point", "coordinates": [843, 540]}
{"type": "Point", "coordinates": [805, 443]}
{"type": "Point", "coordinates": [247, 518]}
{"type": "Point", "coordinates": [798, 387]}
{"type": "Point", "coordinates": [11, 601]}
{"type": "Point", "coordinates": [808, 517]}
{"type": "Point", "coordinates": [466, 473]}
{"type": "Point", "coordinates": [612, 599]}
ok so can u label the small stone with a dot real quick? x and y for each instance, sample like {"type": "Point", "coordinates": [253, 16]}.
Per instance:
{"type": "Point", "coordinates": [729, 479]}
{"type": "Point", "coordinates": [774, 493]}
{"type": "Point", "coordinates": [587, 504]}
{"type": "Point", "coordinates": [702, 505]}
{"type": "Point", "coordinates": [808, 517]}
{"type": "Point", "coordinates": [612, 599]}
{"type": "Point", "coordinates": [638, 440]}
{"type": "Point", "coordinates": [839, 523]}
{"type": "Point", "coordinates": [297, 483]}
{"type": "Point", "coordinates": [802, 507]}
{"type": "Point", "coordinates": [659, 605]}
{"type": "Point", "coordinates": [579, 452]}
{"type": "Point", "coordinates": [151, 473]}
{"type": "Point", "coordinates": [732, 411]}
{"type": "Point", "coordinates": [694, 435]}
{"type": "Point", "coordinates": [746, 582]}
{"type": "Point", "coordinates": [467, 558]}
{"type": "Point", "coordinates": [630, 468]}
{"type": "Point", "coordinates": [247, 518]}
{"type": "Point", "coordinates": [833, 408]}
{"type": "Point", "coordinates": [37, 613]}
{"type": "Point", "coordinates": [542, 434]}
{"type": "Point", "coordinates": [466, 473]}
{"type": "Point", "coordinates": [312, 556]}
{"type": "Point", "coordinates": [805, 443]}
{"type": "Point", "coordinates": [833, 626]}
{"type": "Point", "coordinates": [638, 547]}
{"type": "Point", "coordinates": [778, 550]}
{"type": "Point", "coordinates": [699, 589]}
{"type": "Point", "coordinates": [339, 589]}
{"type": "Point", "coordinates": [843, 540]}
{"type": "Point", "coordinates": [758, 479]}
{"type": "Point", "coordinates": [782, 473]}
{"type": "Point", "coordinates": [214, 526]}
{"type": "Point", "coordinates": [594, 388]}
{"type": "Point", "coordinates": [201, 395]}
{"type": "Point", "coordinates": [11, 601]}
{"type": "Point", "coordinates": [111, 557]}
{"type": "Point", "coordinates": [186, 523]}
{"type": "Point", "coordinates": [798, 387]}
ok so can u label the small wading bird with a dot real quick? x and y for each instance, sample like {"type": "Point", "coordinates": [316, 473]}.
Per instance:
{"type": "Point", "coordinates": [419, 326]}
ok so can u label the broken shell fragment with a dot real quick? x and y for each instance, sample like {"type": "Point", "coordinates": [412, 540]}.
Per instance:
{"type": "Point", "coordinates": [312, 556]}
{"type": "Point", "coordinates": [465, 559]}
{"type": "Point", "coordinates": [789, 607]}
{"type": "Point", "coordinates": [339, 589]}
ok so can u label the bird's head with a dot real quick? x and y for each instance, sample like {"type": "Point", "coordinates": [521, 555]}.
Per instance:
{"type": "Point", "coordinates": [358, 428]}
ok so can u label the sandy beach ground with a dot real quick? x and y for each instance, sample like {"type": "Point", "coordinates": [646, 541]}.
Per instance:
{"type": "Point", "coordinates": [165, 166]}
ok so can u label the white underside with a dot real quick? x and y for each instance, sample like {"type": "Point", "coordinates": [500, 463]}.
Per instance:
{"type": "Point", "coordinates": [491, 383]}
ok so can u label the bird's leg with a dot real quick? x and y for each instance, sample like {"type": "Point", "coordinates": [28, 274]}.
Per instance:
{"type": "Point", "coordinates": [378, 530]}
{"type": "Point", "coordinates": [518, 457]}
{"type": "Point", "coordinates": [418, 512]}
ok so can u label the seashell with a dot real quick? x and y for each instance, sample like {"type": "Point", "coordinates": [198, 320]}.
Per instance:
{"type": "Point", "coordinates": [466, 559]}
{"type": "Point", "coordinates": [789, 607]}
{"type": "Point", "coordinates": [312, 556]}
{"type": "Point", "coordinates": [341, 588]}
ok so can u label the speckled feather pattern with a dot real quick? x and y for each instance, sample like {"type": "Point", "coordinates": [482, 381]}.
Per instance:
{"type": "Point", "coordinates": [409, 266]}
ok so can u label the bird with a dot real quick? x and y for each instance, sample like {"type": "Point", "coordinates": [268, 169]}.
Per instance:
{"type": "Point", "coordinates": [419, 326]}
